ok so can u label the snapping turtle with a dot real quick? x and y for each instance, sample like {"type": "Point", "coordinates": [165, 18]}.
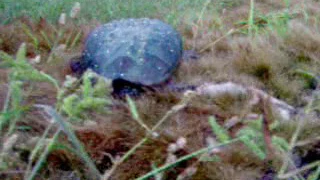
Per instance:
{"type": "Point", "coordinates": [133, 53]}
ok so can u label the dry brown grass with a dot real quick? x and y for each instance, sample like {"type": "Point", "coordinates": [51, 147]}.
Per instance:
{"type": "Point", "coordinates": [267, 62]}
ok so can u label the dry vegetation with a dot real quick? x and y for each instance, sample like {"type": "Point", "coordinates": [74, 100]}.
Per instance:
{"type": "Point", "coordinates": [279, 58]}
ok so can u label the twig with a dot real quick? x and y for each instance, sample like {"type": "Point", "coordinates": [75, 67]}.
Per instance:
{"type": "Point", "coordinates": [232, 89]}
{"type": "Point", "coordinates": [298, 171]}
{"type": "Point", "coordinates": [291, 146]}
{"type": "Point", "coordinates": [266, 119]}
{"type": "Point", "coordinates": [210, 45]}
{"type": "Point", "coordinates": [308, 141]}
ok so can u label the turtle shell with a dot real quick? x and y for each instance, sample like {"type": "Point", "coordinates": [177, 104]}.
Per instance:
{"type": "Point", "coordinates": [144, 51]}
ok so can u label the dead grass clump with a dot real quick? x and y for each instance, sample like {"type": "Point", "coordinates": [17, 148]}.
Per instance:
{"type": "Point", "coordinates": [225, 172]}
{"type": "Point", "coordinates": [152, 153]}
{"type": "Point", "coordinates": [260, 59]}
{"type": "Point", "coordinates": [62, 160]}
{"type": "Point", "coordinates": [116, 134]}
{"type": "Point", "coordinates": [303, 42]}
{"type": "Point", "coordinates": [226, 105]}
{"type": "Point", "coordinates": [152, 108]}
{"type": "Point", "coordinates": [270, 65]}
{"type": "Point", "coordinates": [105, 146]}
{"type": "Point", "coordinates": [309, 129]}
{"type": "Point", "coordinates": [53, 44]}
{"type": "Point", "coordinates": [24, 31]}
{"type": "Point", "coordinates": [233, 163]}
{"type": "Point", "coordinates": [308, 40]}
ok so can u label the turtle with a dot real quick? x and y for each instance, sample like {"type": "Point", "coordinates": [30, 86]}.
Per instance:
{"type": "Point", "coordinates": [137, 54]}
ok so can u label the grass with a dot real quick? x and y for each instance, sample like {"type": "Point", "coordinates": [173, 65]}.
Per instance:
{"type": "Point", "coordinates": [107, 9]}
{"type": "Point", "coordinates": [53, 125]}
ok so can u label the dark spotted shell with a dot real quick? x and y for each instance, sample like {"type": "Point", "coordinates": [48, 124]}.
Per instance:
{"type": "Point", "coordinates": [144, 51]}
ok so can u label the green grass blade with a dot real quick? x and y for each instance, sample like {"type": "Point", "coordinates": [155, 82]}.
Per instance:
{"type": "Point", "coordinates": [135, 114]}
{"type": "Point", "coordinates": [74, 140]}
{"type": "Point", "coordinates": [219, 131]}
{"type": "Point", "coordinates": [315, 175]}
{"type": "Point", "coordinates": [253, 147]}
{"type": "Point", "coordinates": [43, 157]}
{"type": "Point", "coordinates": [184, 158]}
{"type": "Point", "coordinates": [75, 40]}
{"type": "Point", "coordinates": [37, 149]}
{"type": "Point", "coordinates": [46, 38]}
{"type": "Point", "coordinates": [251, 19]}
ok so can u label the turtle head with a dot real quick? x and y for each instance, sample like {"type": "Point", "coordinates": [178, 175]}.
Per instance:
{"type": "Point", "coordinates": [77, 66]}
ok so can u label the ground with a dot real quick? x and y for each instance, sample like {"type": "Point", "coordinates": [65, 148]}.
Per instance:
{"type": "Point", "coordinates": [268, 45]}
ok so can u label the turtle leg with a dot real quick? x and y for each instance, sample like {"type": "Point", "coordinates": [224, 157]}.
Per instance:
{"type": "Point", "coordinates": [181, 88]}
{"type": "Point", "coordinates": [122, 87]}
{"type": "Point", "coordinates": [171, 86]}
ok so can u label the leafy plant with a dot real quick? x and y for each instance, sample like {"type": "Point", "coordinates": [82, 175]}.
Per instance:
{"type": "Point", "coordinates": [90, 97]}
{"type": "Point", "coordinates": [20, 72]}
{"type": "Point", "coordinates": [254, 138]}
